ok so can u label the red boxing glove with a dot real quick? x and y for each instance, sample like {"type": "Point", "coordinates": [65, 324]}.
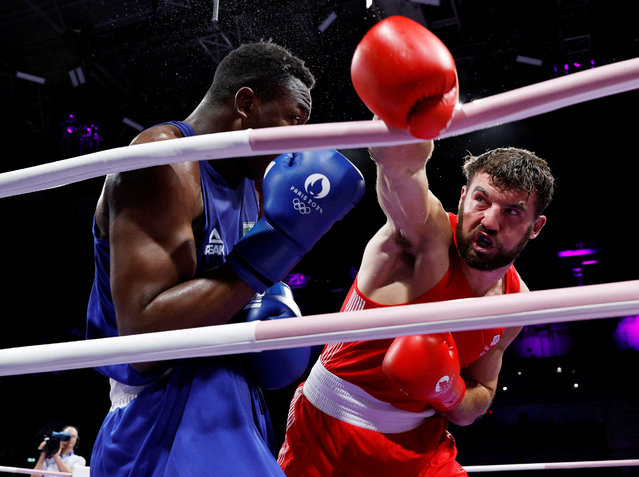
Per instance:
{"type": "Point", "coordinates": [426, 367]}
{"type": "Point", "coordinates": [406, 76]}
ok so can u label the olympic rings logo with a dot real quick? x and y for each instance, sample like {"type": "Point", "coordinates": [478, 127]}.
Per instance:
{"type": "Point", "coordinates": [301, 207]}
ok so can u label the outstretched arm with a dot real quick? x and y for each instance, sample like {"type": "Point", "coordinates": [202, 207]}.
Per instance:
{"type": "Point", "coordinates": [417, 232]}
{"type": "Point", "coordinates": [420, 96]}
{"type": "Point", "coordinates": [402, 187]}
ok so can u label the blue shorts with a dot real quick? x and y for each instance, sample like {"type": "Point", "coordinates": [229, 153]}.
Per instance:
{"type": "Point", "coordinates": [203, 418]}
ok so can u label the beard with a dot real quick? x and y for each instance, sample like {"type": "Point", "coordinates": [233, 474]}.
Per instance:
{"type": "Point", "coordinates": [480, 261]}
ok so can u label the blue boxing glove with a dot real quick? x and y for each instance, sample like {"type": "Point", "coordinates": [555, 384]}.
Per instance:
{"type": "Point", "coordinates": [275, 369]}
{"type": "Point", "coordinates": [304, 195]}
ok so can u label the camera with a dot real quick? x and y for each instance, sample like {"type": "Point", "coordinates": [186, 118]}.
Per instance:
{"type": "Point", "coordinates": [52, 442]}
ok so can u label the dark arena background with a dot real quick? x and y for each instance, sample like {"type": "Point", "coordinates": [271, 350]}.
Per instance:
{"type": "Point", "coordinates": [78, 76]}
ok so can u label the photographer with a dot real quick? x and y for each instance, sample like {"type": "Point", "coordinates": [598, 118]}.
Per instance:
{"type": "Point", "coordinates": [56, 452]}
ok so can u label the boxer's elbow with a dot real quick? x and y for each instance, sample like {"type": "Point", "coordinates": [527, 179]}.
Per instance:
{"type": "Point", "coordinates": [475, 404]}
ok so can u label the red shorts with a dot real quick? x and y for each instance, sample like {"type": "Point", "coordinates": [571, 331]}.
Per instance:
{"type": "Point", "coordinates": [318, 445]}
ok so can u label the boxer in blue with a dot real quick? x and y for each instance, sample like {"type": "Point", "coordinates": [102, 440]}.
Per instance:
{"type": "Point", "coordinates": [197, 244]}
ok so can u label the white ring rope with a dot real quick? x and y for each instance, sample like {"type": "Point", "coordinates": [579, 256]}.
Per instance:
{"type": "Point", "coordinates": [77, 471]}
{"type": "Point", "coordinates": [506, 107]}
{"type": "Point", "coordinates": [537, 307]}
{"type": "Point", "coordinates": [585, 464]}
{"type": "Point", "coordinates": [19, 470]}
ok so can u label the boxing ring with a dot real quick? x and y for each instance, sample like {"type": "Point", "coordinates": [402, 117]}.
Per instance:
{"type": "Point", "coordinates": [537, 307]}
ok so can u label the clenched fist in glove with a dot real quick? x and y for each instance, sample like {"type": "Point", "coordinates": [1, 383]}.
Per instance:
{"type": "Point", "coordinates": [426, 367]}
{"type": "Point", "coordinates": [305, 193]}
{"type": "Point", "coordinates": [275, 369]}
{"type": "Point", "coordinates": [406, 76]}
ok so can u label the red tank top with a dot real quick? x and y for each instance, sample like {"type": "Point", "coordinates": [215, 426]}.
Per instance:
{"type": "Point", "coordinates": [360, 362]}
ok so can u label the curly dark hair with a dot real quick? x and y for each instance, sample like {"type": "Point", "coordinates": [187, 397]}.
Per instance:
{"type": "Point", "coordinates": [516, 169]}
{"type": "Point", "coordinates": [264, 66]}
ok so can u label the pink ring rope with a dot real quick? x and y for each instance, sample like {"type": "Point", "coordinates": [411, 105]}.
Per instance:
{"type": "Point", "coordinates": [480, 114]}
{"type": "Point", "coordinates": [537, 307]}
{"type": "Point", "coordinates": [77, 472]}
{"type": "Point", "coordinates": [585, 464]}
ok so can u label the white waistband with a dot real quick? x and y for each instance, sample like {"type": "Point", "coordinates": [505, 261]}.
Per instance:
{"type": "Point", "coordinates": [349, 403]}
{"type": "Point", "coordinates": [122, 394]}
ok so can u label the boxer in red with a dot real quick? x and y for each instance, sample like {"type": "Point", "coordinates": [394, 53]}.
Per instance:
{"type": "Point", "coordinates": [382, 407]}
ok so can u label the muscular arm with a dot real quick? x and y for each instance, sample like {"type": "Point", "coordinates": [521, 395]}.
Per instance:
{"type": "Point", "coordinates": [417, 234]}
{"type": "Point", "coordinates": [481, 382]}
{"type": "Point", "coordinates": [153, 258]}
{"type": "Point", "coordinates": [402, 188]}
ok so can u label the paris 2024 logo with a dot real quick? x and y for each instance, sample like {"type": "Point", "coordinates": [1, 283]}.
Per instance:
{"type": "Point", "coordinates": [316, 187]}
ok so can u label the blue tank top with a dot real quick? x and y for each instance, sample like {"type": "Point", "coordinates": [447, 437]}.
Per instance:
{"type": "Point", "coordinates": [229, 213]}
